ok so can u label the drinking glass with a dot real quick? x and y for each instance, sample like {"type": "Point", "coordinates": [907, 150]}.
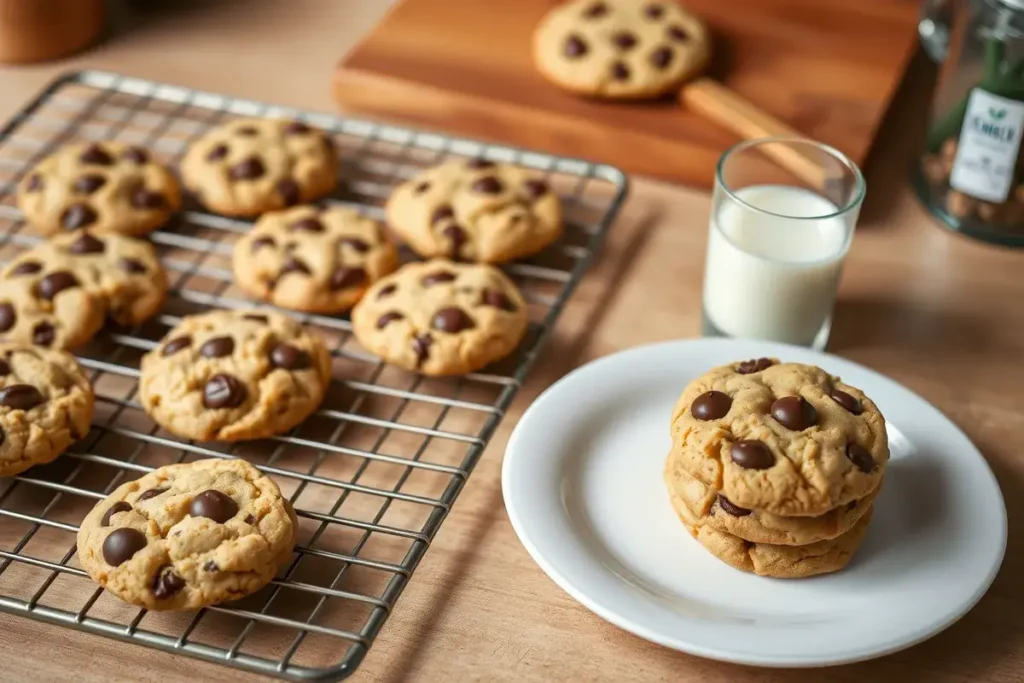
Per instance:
{"type": "Point", "coordinates": [782, 219]}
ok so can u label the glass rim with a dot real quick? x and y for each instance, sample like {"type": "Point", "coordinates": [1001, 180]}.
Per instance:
{"type": "Point", "coordinates": [854, 202]}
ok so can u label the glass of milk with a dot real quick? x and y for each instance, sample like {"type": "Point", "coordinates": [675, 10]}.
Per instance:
{"type": "Point", "coordinates": [782, 219]}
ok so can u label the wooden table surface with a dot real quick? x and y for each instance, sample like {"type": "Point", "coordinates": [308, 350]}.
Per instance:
{"type": "Point", "coordinates": [939, 313]}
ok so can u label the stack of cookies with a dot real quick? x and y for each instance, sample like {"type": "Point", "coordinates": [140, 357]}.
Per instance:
{"type": "Point", "coordinates": [774, 466]}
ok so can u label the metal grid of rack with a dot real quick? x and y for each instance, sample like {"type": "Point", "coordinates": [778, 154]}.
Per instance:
{"type": "Point", "coordinates": [372, 474]}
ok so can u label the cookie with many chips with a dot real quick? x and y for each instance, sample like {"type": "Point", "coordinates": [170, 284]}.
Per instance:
{"type": "Point", "coordinates": [49, 308]}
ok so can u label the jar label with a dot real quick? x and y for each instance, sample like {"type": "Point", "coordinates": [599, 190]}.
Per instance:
{"type": "Point", "coordinates": [986, 155]}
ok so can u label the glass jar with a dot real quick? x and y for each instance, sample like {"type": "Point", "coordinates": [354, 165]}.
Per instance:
{"type": "Point", "coordinates": [971, 174]}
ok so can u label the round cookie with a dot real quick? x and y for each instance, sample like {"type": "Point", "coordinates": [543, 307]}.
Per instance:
{"type": "Point", "coordinates": [234, 375]}
{"type": "Point", "coordinates": [108, 187]}
{"type": "Point", "coordinates": [776, 561]}
{"type": "Point", "coordinates": [312, 259]}
{"type": "Point", "coordinates": [187, 536]}
{"type": "Point", "coordinates": [249, 166]}
{"type": "Point", "coordinates": [720, 514]}
{"type": "Point", "coordinates": [123, 272]}
{"type": "Point", "coordinates": [475, 210]}
{"type": "Point", "coordinates": [620, 49]}
{"type": "Point", "coordinates": [46, 404]}
{"type": "Point", "coordinates": [441, 318]}
{"type": "Point", "coordinates": [788, 439]}
{"type": "Point", "coordinates": [49, 309]}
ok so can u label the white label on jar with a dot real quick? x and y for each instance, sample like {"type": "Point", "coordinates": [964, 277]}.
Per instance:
{"type": "Point", "coordinates": [986, 155]}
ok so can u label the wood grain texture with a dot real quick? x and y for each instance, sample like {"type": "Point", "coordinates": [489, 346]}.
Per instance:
{"type": "Point", "coordinates": [937, 312]}
{"type": "Point", "coordinates": [825, 67]}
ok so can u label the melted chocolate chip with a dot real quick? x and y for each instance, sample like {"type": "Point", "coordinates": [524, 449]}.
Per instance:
{"type": "Point", "coordinates": [261, 242]}
{"type": "Point", "coordinates": [345, 276]}
{"type": "Point", "coordinates": [437, 277]}
{"type": "Point", "coordinates": [150, 493]}
{"type": "Point", "coordinates": [421, 187]}
{"type": "Point", "coordinates": [794, 412]}
{"type": "Point", "coordinates": [223, 391]}
{"type": "Point", "coordinates": [289, 191]}
{"type": "Point", "coordinates": [441, 213]}
{"type": "Point", "coordinates": [487, 185]}
{"type": "Point", "coordinates": [247, 131]}
{"type": "Point", "coordinates": [598, 9]}
{"type": "Point", "coordinates": [247, 169]}
{"type": "Point", "coordinates": [536, 188]}
{"type": "Point", "coordinates": [452, 319]}
{"type": "Point", "coordinates": [121, 544]}
{"type": "Point", "coordinates": [624, 40]}
{"type": "Point", "coordinates": [387, 290]}
{"type": "Point", "coordinates": [249, 519]}
{"type": "Point", "coordinates": [211, 566]}
{"type": "Point", "coordinates": [620, 71]}
{"type": "Point", "coordinates": [731, 508]}
{"type": "Point", "coordinates": [752, 455]}
{"type": "Point", "coordinates": [135, 154]}
{"type": "Point", "coordinates": [86, 244]}
{"type": "Point", "coordinates": [497, 299]}
{"type": "Point", "coordinates": [213, 504]}
{"type": "Point", "coordinates": [217, 153]}
{"type": "Point", "coordinates": [355, 244]}
{"type": "Point", "coordinates": [218, 347]}
{"type": "Point", "coordinates": [295, 265]}
{"type": "Point", "coordinates": [55, 283]}
{"type": "Point", "coordinates": [847, 401]}
{"type": "Point", "coordinates": [711, 405]}
{"type": "Point", "coordinates": [479, 163]}
{"type": "Point", "coordinates": [77, 216]}
{"type": "Point", "coordinates": [307, 225]}
{"type": "Point", "coordinates": [387, 318]}
{"type": "Point", "coordinates": [43, 334]}
{"type": "Point", "coordinates": [119, 506]}
{"type": "Point", "coordinates": [421, 346]}
{"type": "Point", "coordinates": [654, 11]}
{"type": "Point", "coordinates": [5, 369]}
{"type": "Point", "coordinates": [662, 57]}
{"type": "Point", "coordinates": [678, 33]}
{"type": "Point", "coordinates": [860, 457]}
{"type": "Point", "coordinates": [753, 365]}
{"type": "Point", "coordinates": [148, 200]}
{"type": "Point", "coordinates": [457, 236]}
{"type": "Point", "coordinates": [167, 583]}
{"type": "Point", "coordinates": [176, 344]}
{"type": "Point", "coordinates": [26, 268]}
{"type": "Point", "coordinates": [296, 128]}
{"type": "Point", "coordinates": [8, 317]}
{"type": "Point", "coordinates": [94, 154]}
{"type": "Point", "coordinates": [35, 183]}
{"type": "Point", "coordinates": [132, 265]}
{"type": "Point", "coordinates": [88, 184]}
{"type": "Point", "coordinates": [288, 357]}
{"type": "Point", "coordinates": [574, 47]}
{"type": "Point", "coordinates": [21, 397]}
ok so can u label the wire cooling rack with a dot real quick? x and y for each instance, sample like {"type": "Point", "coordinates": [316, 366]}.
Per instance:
{"type": "Point", "coordinates": [372, 474]}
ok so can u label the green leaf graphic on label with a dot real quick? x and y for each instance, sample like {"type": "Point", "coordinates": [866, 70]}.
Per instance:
{"type": "Point", "coordinates": [997, 114]}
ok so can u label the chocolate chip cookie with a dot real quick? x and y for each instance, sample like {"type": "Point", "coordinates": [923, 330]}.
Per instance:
{"type": "Point", "coordinates": [234, 375]}
{"type": "Point", "coordinates": [313, 259]}
{"type": "Point", "coordinates": [122, 272]}
{"type": "Point", "coordinates": [49, 308]}
{"type": "Point", "coordinates": [108, 187]}
{"type": "Point", "coordinates": [475, 210]}
{"type": "Point", "coordinates": [720, 514]}
{"type": "Point", "coordinates": [788, 439]}
{"type": "Point", "coordinates": [249, 166]}
{"type": "Point", "coordinates": [187, 536]}
{"type": "Point", "coordinates": [620, 48]}
{"type": "Point", "coordinates": [441, 318]}
{"type": "Point", "coordinates": [46, 404]}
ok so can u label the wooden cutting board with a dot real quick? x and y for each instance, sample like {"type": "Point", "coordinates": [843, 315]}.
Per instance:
{"type": "Point", "coordinates": [826, 67]}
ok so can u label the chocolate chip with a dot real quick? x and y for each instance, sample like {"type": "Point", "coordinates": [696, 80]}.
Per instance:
{"type": "Point", "coordinates": [732, 508]}
{"type": "Point", "coordinates": [177, 344]}
{"type": "Point", "coordinates": [662, 57]}
{"type": "Point", "coordinates": [354, 243]}
{"type": "Point", "coordinates": [296, 128]}
{"type": "Point", "coordinates": [711, 405]}
{"type": "Point", "coordinates": [166, 584]}
{"type": "Point", "coordinates": [8, 317]}
{"type": "Point", "coordinates": [678, 33]}
{"type": "Point", "coordinates": [536, 188]}
{"type": "Point", "coordinates": [150, 493]}
{"type": "Point", "coordinates": [421, 188]}
{"type": "Point", "coordinates": [452, 319]}
{"type": "Point", "coordinates": [43, 334]}
{"type": "Point", "coordinates": [148, 200]}
{"type": "Point", "coordinates": [88, 184]}
{"type": "Point", "coordinates": [94, 154]}
{"type": "Point", "coordinates": [35, 183]}
{"type": "Point", "coordinates": [441, 213]}
{"type": "Point", "coordinates": [479, 163]}
{"type": "Point", "coordinates": [55, 283]}
{"type": "Point", "coordinates": [77, 216]}
{"type": "Point", "coordinates": [307, 225]}
{"type": "Point", "coordinates": [437, 277]}
{"type": "Point", "coordinates": [753, 365]}
{"type": "Point", "coordinates": [574, 47]}
{"type": "Point", "coordinates": [387, 290]}
{"type": "Point", "coordinates": [288, 357]}
{"type": "Point", "coordinates": [598, 9]}
{"type": "Point", "coordinates": [752, 455]}
{"type": "Point", "coordinates": [487, 185]}
{"type": "Point", "coordinates": [21, 397]}
{"type": "Point", "coordinates": [211, 566]}
{"type": "Point", "coordinates": [847, 401]}
{"type": "Point", "coordinates": [624, 40]}
{"type": "Point", "coordinates": [121, 544]}
{"type": "Point", "coordinates": [119, 506]}
{"type": "Point", "coordinates": [218, 347]}
{"type": "Point", "coordinates": [457, 236]}
{"type": "Point", "coordinates": [345, 276]}
{"type": "Point", "coordinates": [294, 265]}
{"type": "Point", "coordinates": [860, 457]}
{"type": "Point", "coordinates": [492, 297]}
{"type": "Point", "coordinates": [217, 153]}
{"type": "Point", "coordinates": [289, 191]}
{"type": "Point", "coordinates": [256, 317]}
{"type": "Point", "coordinates": [851, 505]}
{"type": "Point", "coordinates": [131, 265]}
{"type": "Point", "coordinates": [261, 242]}
{"type": "Point", "coordinates": [654, 11]}
{"type": "Point", "coordinates": [247, 131]}
{"type": "Point", "coordinates": [248, 169]}
{"type": "Point", "coordinates": [620, 71]}
{"type": "Point", "coordinates": [223, 391]}
{"type": "Point", "coordinates": [213, 504]}
{"type": "Point", "coordinates": [388, 317]}
{"type": "Point", "coordinates": [5, 368]}
{"type": "Point", "coordinates": [249, 519]}
{"type": "Point", "coordinates": [86, 244]}
{"type": "Point", "coordinates": [26, 268]}
{"type": "Point", "coordinates": [794, 412]}
{"type": "Point", "coordinates": [136, 154]}
{"type": "Point", "coordinates": [421, 346]}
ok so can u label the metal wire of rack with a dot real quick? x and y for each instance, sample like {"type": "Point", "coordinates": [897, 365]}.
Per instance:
{"type": "Point", "coordinates": [372, 474]}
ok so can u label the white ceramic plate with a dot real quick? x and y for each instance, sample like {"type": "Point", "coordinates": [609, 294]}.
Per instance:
{"type": "Point", "coordinates": [582, 481]}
